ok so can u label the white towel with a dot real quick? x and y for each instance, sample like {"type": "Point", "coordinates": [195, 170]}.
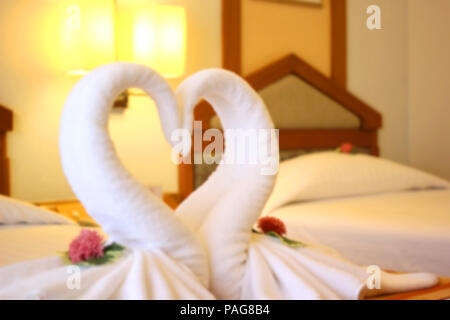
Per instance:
{"type": "Point", "coordinates": [224, 209]}
{"type": "Point", "coordinates": [164, 260]}
{"type": "Point", "coordinates": [139, 274]}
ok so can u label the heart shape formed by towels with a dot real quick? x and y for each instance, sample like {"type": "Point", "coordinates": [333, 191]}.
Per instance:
{"type": "Point", "coordinates": [165, 259]}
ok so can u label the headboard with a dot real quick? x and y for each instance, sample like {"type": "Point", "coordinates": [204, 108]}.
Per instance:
{"type": "Point", "coordinates": [6, 122]}
{"type": "Point", "coordinates": [312, 112]}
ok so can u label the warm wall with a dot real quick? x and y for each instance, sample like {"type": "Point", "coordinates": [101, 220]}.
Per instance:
{"type": "Point", "coordinates": [429, 80]}
{"type": "Point", "coordinates": [377, 60]}
{"type": "Point", "coordinates": [33, 87]}
{"type": "Point", "coordinates": [377, 70]}
{"type": "Point", "coordinates": [272, 30]}
{"type": "Point", "coordinates": [403, 72]}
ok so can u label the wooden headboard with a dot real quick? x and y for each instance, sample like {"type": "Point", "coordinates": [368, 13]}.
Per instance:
{"type": "Point", "coordinates": [6, 122]}
{"type": "Point", "coordinates": [6, 118]}
{"type": "Point", "coordinates": [360, 131]}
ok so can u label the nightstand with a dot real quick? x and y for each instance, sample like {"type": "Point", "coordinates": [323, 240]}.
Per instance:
{"type": "Point", "coordinates": [75, 211]}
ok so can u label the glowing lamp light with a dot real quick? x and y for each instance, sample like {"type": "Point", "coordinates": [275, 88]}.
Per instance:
{"type": "Point", "coordinates": [159, 39]}
{"type": "Point", "coordinates": [87, 34]}
{"type": "Point", "coordinates": [153, 35]}
{"type": "Point", "coordinates": [96, 32]}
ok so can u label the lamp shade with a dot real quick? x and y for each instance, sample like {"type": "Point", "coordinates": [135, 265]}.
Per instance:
{"type": "Point", "coordinates": [87, 34]}
{"type": "Point", "coordinates": [154, 35]}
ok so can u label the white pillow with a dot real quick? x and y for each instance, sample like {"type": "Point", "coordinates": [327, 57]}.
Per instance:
{"type": "Point", "coordinates": [331, 174]}
{"type": "Point", "coordinates": [13, 211]}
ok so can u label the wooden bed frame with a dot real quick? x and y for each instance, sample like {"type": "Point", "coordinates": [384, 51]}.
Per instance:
{"type": "Point", "coordinates": [334, 87]}
{"type": "Point", "coordinates": [6, 118]}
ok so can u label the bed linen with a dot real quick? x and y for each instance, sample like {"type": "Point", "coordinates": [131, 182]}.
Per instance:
{"type": "Point", "coordinates": [403, 231]}
{"type": "Point", "coordinates": [328, 174]}
{"type": "Point", "coordinates": [13, 211]}
{"type": "Point", "coordinates": [20, 243]}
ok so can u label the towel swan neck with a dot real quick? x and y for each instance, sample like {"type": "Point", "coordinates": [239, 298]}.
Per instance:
{"type": "Point", "coordinates": [126, 210]}
{"type": "Point", "coordinates": [238, 107]}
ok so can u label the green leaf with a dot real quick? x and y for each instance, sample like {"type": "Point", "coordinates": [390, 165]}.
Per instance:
{"type": "Point", "coordinates": [286, 241]}
{"type": "Point", "coordinates": [273, 234]}
{"type": "Point", "coordinates": [293, 243]}
{"type": "Point", "coordinates": [114, 247]}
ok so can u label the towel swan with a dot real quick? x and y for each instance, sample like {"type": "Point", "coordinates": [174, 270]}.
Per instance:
{"type": "Point", "coordinates": [163, 260]}
{"type": "Point", "coordinates": [244, 265]}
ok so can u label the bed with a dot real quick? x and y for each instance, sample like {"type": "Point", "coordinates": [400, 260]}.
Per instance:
{"type": "Point", "coordinates": [372, 210]}
{"type": "Point", "coordinates": [402, 226]}
{"type": "Point", "coordinates": [398, 230]}
{"type": "Point", "coordinates": [401, 230]}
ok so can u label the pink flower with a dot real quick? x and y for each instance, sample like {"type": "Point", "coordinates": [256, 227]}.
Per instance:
{"type": "Point", "coordinates": [346, 147]}
{"type": "Point", "coordinates": [267, 224]}
{"type": "Point", "coordinates": [87, 245]}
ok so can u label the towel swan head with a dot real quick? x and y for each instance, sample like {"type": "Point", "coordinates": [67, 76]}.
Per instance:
{"type": "Point", "coordinates": [239, 107]}
{"type": "Point", "coordinates": [126, 210]}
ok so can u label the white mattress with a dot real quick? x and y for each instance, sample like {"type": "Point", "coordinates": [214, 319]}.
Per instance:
{"type": "Point", "coordinates": [407, 231]}
{"type": "Point", "coordinates": [25, 242]}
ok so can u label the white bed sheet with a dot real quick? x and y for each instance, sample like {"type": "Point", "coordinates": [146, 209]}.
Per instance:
{"type": "Point", "coordinates": [408, 231]}
{"type": "Point", "coordinates": [20, 243]}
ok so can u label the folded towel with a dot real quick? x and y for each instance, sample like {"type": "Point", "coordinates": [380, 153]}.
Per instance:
{"type": "Point", "coordinates": [223, 210]}
{"type": "Point", "coordinates": [139, 274]}
{"type": "Point", "coordinates": [164, 259]}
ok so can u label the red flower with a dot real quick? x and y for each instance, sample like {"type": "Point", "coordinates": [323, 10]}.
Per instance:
{"type": "Point", "coordinates": [267, 224]}
{"type": "Point", "coordinates": [346, 147]}
{"type": "Point", "coordinates": [86, 246]}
